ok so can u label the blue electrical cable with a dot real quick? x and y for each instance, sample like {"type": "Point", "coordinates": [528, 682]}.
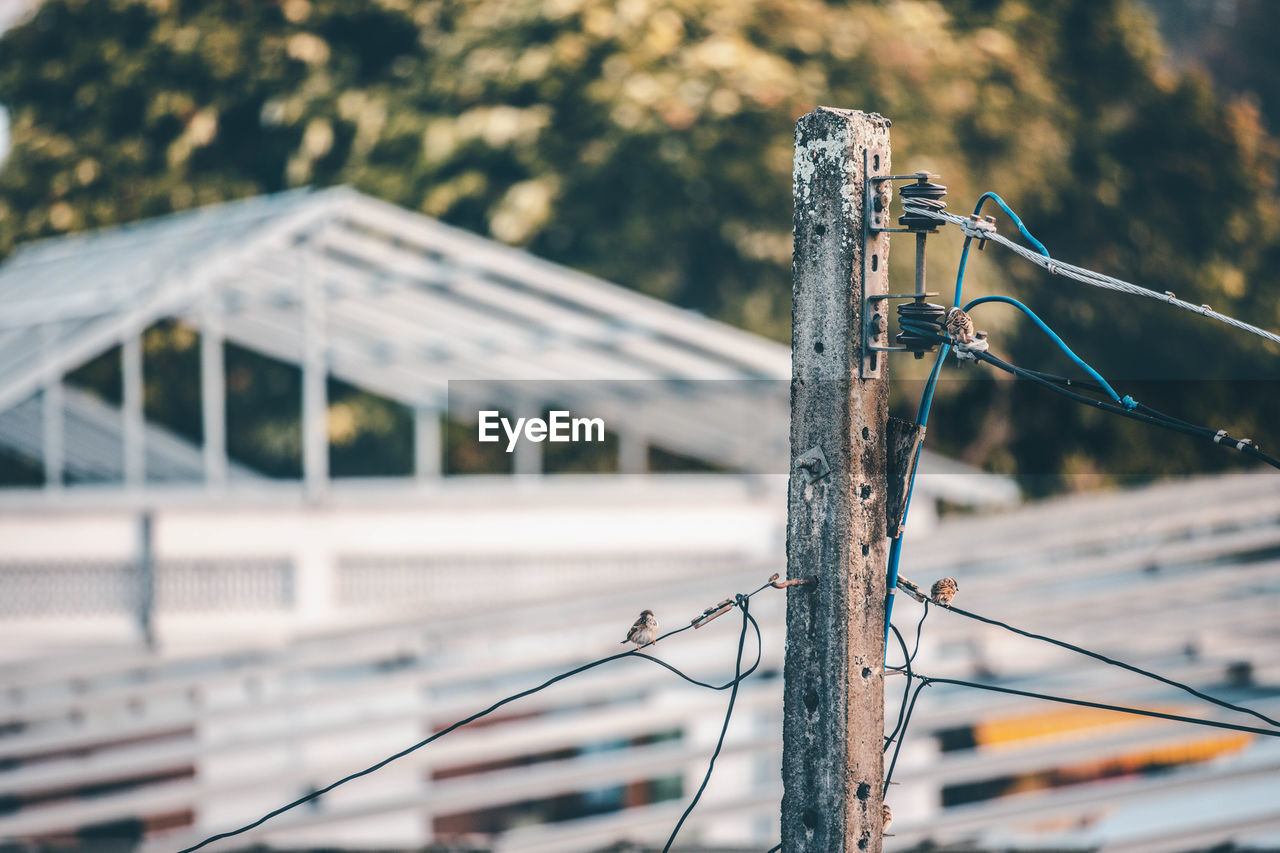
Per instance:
{"type": "Point", "coordinates": [1126, 401]}
{"type": "Point", "coordinates": [926, 399]}
{"type": "Point", "coordinates": [1016, 221]}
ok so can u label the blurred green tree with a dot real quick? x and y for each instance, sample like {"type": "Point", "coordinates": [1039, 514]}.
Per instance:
{"type": "Point", "coordinates": [649, 142]}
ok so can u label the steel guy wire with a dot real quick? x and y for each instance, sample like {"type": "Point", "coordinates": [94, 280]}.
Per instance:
{"type": "Point", "coordinates": [1088, 276]}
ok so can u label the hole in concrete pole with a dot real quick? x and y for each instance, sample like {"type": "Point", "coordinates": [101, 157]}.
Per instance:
{"type": "Point", "coordinates": [866, 672]}
{"type": "Point", "coordinates": [811, 700]}
{"type": "Point", "coordinates": [864, 790]}
{"type": "Point", "coordinates": [817, 347]}
{"type": "Point", "coordinates": [819, 229]}
{"type": "Point", "coordinates": [810, 818]}
{"type": "Point", "coordinates": [866, 549]}
{"type": "Point", "coordinates": [875, 161]}
{"type": "Point", "coordinates": [866, 492]}
{"type": "Point", "coordinates": [875, 262]}
{"type": "Point", "coordinates": [866, 434]}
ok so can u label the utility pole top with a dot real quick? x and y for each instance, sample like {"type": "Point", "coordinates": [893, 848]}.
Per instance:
{"type": "Point", "coordinates": [833, 708]}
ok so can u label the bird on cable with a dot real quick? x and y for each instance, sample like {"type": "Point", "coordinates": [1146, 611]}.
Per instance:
{"type": "Point", "coordinates": [944, 591]}
{"type": "Point", "coordinates": [644, 631]}
{"type": "Point", "coordinates": [959, 326]}
{"type": "Point", "coordinates": [887, 814]}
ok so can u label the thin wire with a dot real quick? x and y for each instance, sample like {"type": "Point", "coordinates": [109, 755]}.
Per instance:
{"type": "Point", "coordinates": [1123, 709]}
{"type": "Point", "coordinates": [1093, 278]}
{"type": "Point", "coordinates": [742, 602]}
{"type": "Point", "coordinates": [1127, 402]}
{"type": "Point", "coordinates": [888, 777]}
{"type": "Point", "coordinates": [1143, 414]}
{"type": "Point", "coordinates": [738, 677]}
{"type": "Point", "coordinates": [1113, 662]}
{"type": "Point", "coordinates": [916, 649]}
{"type": "Point", "coordinates": [906, 692]}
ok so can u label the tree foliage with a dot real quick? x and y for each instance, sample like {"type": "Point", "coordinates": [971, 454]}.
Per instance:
{"type": "Point", "coordinates": [650, 142]}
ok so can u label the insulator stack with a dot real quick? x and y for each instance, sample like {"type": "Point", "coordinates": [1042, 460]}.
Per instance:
{"type": "Point", "coordinates": [921, 324]}
{"type": "Point", "coordinates": [923, 193]}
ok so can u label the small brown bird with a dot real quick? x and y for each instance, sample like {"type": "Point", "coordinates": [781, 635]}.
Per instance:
{"type": "Point", "coordinates": [959, 326]}
{"type": "Point", "coordinates": [944, 591]}
{"type": "Point", "coordinates": [645, 631]}
{"type": "Point", "coordinates": [887, 814]}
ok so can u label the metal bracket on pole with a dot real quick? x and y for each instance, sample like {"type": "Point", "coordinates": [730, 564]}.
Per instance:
{"type": "Point", "coordinates": [875, 260]}
{"type": "Point", "coordinates": [813, 464]}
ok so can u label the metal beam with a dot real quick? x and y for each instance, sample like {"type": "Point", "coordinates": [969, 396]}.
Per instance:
{"type": "Point", "coordinates": [213, 389]}
{"type": "Point", "coordinates": [315, 396]}
{"type": "Point", "coordinates": [53, 416]}
{"type": "Point", "coordinates": [131, 411]}
{"type": "Point", "coordinates": [427, 444]}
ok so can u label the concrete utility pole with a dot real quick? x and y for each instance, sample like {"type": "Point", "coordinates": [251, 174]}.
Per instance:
{"type": "Point", "coordinates": [833, 728]}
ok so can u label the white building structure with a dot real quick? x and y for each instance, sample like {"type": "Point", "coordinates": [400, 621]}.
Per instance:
{"type": "Point", "coordinates": [303, 629]}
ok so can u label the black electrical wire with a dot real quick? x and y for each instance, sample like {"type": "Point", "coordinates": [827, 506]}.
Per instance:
{"type": "Point", "coordinates": [739, 676]}
{"type": "Point", "coordinates": [916, 649]}
{"type": "Point", "coordinates": [1123, 709]}
{"type": "Point", "coordinates": [1117, 663]}
{"type": "Point", "coordinates": [743, 602]}
{"type": "Point", "coordinates": [902, 735]}
{"type": "Point", "coordinates": [926, 680]}
{"type": "Point", "coordinates": [1141, 413]}
{"type": "Point", "coordinates": [906, 692]}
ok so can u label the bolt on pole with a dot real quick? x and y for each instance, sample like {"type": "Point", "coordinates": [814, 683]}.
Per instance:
{"type": "Point", "coordinates": [833, 706]}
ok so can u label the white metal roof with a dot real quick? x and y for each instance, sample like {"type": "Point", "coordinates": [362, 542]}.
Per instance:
{"type": "Point", "coordinates": [407, 304]}
{"type": "Point", "coordinates": [94, 443]}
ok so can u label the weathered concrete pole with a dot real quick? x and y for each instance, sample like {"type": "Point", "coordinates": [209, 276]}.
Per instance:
{"type": "Point", "coordinates": [833, 729]}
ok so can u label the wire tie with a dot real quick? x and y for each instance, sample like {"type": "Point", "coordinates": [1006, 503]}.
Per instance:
{"type": "Point", "coordinates": [1170, 294]}
{"type": "Point", "coordinates": [1128, 402]}
{"type": "Point", "coordinates": [712, 612]}
{"type": "Point", "coordinates": [1242, 443]}
{"type": "Point", "coordinates": [1219, 435]}
{"type": "Point", "coordinates": [1052, 268]}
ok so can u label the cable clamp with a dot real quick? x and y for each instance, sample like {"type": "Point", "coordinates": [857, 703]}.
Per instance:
{"type": "Point", "coordinates": [966, 352]}
{"type": "Point", "coordinates": [1219, 435]}
{"type": "Point", "coordinates": [712, 612]}
{"type": "Point", "coordinates": [911, 589]}
{"type": "Point", "coordinates": [979, 227]}
{"type": "Point", "coordinates": [1244, 442]}
{"type": "Point", "coordinates": [1128, 402]}
{"type": "Point", "coordinates": [1052, 268]}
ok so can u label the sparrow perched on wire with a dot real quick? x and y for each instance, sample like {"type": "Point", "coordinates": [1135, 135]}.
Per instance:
{"type": "Point", "coordinates": [944, 591]}
{"type": "Point", "coordinates": [887, 814]}
{"type": "Point", "coordinates": [959, 326]}
{"type": "Point", "coordinates": [644, 631]}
